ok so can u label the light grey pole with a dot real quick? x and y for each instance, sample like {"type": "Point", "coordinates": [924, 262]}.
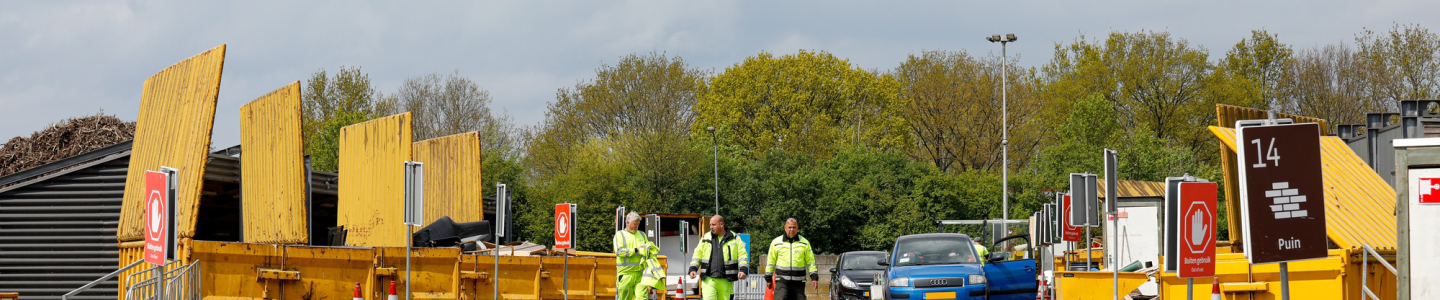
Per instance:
{"type": "Point", "coordinates": [1004, 128]}
{"type": "Point", "coordinates": [715, 145]}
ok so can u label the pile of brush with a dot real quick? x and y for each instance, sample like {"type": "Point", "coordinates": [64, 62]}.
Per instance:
{"type": "Point", "coordinates": [61, 140]}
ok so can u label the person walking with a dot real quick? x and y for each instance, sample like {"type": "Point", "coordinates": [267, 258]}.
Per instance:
{"type": "Point", "coordinates": [720, 260]}
{"type": "Point", "coordinates": [630, 249]}
{"type": "Point", "coordinates": [789, 262]}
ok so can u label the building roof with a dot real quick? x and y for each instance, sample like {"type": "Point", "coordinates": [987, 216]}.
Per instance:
{"type": "Point", "coordinates": [1134, 189]}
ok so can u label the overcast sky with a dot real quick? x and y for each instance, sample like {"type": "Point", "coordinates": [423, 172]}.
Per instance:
{"type": "Point", "coordinates": [62, 59]}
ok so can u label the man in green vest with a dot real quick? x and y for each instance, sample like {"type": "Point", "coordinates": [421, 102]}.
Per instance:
{"type": "Point", "coordinates": [790, 254]}
{"type": "Point", "coordinates": [631, 247]}
{"type": "Point", "coordinates": [981, 250]}
{"type": "Point", "coordinates": [720, 260]}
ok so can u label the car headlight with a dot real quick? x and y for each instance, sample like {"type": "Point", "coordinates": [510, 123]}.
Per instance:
{"type": "Point", "coordinates": [976, 279]}
{"type": "Point", "coordinates": [846, 282]}
{"type": "Point", "coordinates": [900, 281]}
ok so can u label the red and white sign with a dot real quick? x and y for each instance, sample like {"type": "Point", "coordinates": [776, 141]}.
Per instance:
{"type": "Point", "coordinates": [157, 216]}
{"type": "Point", "coordinates": [1068, 233]}
{"type": "Point", "coordinates": [1197, 229]}
{"type": "Point", "coordinates": [1429, 189]}
{"type": "Point", "coordinates": [564, 225]}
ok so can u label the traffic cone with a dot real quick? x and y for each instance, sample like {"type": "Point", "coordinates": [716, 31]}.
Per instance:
{"type": "Point", "coordinates": [680, 288]}
{"type": "Point", "coordinates": [1215, 289]}
{"type": "Point", "coordinates": [770, 289]}
{"type": "Point", "coordinates": [392, 292]}
{"type": "Point", "coordinates": [357, 292]}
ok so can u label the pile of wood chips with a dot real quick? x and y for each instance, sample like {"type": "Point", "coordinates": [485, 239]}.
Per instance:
{"type": "Point", "coordinates": [65, 139]}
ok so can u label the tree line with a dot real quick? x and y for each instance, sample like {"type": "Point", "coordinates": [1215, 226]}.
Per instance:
{"type": "Point", "coordinates": [861, 156]}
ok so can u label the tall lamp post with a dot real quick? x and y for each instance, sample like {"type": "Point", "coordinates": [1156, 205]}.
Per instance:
{"type": "Point", "coordinates": [1004, 129]}
{"type": "Point", "coordinates": [714, 144]}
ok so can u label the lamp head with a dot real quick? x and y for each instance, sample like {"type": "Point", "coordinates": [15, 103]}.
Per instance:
{"type": "Point", "coordinates": [1010, 37]}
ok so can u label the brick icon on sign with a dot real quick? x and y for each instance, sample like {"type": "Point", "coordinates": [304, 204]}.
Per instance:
{"type": "Point", "coordinates": [1287, 201]}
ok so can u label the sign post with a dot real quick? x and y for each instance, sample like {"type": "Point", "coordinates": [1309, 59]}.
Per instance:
{"type": "Point", "coordinates": [414, 210]}
{"type": "Point", "coordinates": [1282, 193]}
{"type": "Point", "coordinates": [1197, 212]}
{"type": "Point", "coordinates": [565, 238]}
{"type": "Point", "coordinates": [1111, 189]}
{"type": "Point", "coordinates": [502, 202]}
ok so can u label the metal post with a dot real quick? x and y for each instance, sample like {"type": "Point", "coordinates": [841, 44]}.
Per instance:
{"type": "Point", "coordinates": [495, 277]}
{"type": "Point", "coordinates": [160, 281]}
{"type": "Point", "coordinates": [565, 282]}
{"type": "Point", "coordinates": [1189, 288]}
{"type": "Point", "coordinates": [408, 241]}
{"type": "Point", "coordinates": [1285, 281]}
{"type": "Point", "coordinates": [1004, 140]}
{"type": "Point", "coordinates": [1088, 249]}
{"type": "Point", "coordinates": [715, 147]}
{"type": "Point", "coordinates": [1112, 251]}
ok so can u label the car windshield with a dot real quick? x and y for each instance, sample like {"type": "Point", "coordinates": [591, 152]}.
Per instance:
{"type": "Point", "coordinates": [935, 251]}
{"type": "Point", "coordinates": [868, 261]}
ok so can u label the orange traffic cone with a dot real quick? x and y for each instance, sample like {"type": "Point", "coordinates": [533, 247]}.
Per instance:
{"type": "Point", "coordinates": [392, 292]}
{"type": "Point", "coordinates": [1215, 289]}
{"type": "Point", "coordinates": [770, 289]}
{"type": "Point", "coordinates": [680, 288]}
{"type": "Point", "coordinates": [357, 292]}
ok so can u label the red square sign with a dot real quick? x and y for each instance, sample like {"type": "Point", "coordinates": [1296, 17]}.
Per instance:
{"type": "Point", "coordinates": [156, 216]}
{"type": "Point", "coordinates": [1197, 230]}
{"type": "Point", "coordinates": [1068, 233]}
{"type": "Point", "coordinates": [1429, 190]}
{"type": "Point", "coordinates": [564, 225]}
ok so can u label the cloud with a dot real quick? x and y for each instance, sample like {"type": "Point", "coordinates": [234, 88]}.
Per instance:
{"type": "Point", "coordinates": [67, 59]}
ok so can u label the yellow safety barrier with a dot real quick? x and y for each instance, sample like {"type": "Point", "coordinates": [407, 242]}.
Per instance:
{"type": "Point", "coordinates": [1075, 285]}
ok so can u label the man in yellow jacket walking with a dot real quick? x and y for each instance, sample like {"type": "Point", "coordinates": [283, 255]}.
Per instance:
{"type": "Point", "coordinates": [631, 248]}
{"type": "Point", "coordinates": [720, 260]}
{"type": "Point", "coordinates": [790, 261]}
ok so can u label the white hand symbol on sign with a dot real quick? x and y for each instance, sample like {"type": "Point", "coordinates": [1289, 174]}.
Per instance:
{"type": "Point", "coordinates": [1198, 229]}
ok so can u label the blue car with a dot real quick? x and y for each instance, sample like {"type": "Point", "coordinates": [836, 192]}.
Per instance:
{"type": "Point", "coordinates": [946, 266]}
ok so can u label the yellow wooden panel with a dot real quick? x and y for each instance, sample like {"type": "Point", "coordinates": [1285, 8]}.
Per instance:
{"type": "Point", "coordinates": [272, 169]}
{"type": "Point", "coordinates": [177, 112]}
{"type": "Point", "coordinates": [452, 177]}
{"type": "Point", "coordinates": [372, 160]}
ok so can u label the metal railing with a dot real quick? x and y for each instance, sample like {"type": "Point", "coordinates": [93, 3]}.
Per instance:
{"type": "Point", "coordinates": [87, 286]}
{"type": "Point", "coordinates": [182, 283]}
{"type": "Point", "coordinates": [1365, 269]}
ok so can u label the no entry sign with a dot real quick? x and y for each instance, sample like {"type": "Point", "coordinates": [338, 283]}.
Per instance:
{"type": "Point", "coordinates": [564, 226]}
{"type": "Point", "coordinates": [1070, 233]}
{"type": "Point", "coordinates": [159, 217]}
{"type": "Point", "coordinates": [1282, 192]}
{"type": "Point", "coordinates": [1197, 229]}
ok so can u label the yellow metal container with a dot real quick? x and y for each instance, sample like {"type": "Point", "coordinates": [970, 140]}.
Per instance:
{"type": "Point", "coordinates": [273, 168]}
{"type": "Point", "coordinates": [452, 177]}
{"type": "Point", "coordinates": [372, 156]}
{"type": "Point", "coordinates": [177, 112]}
{"type": "Point", "coordinates": [1074, 285]}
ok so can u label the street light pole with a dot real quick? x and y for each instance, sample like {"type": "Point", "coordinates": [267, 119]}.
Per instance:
{"type": "Point", "coordinates": [715, 145]}
{"type": "Point", "coordinates": [1004, 128]}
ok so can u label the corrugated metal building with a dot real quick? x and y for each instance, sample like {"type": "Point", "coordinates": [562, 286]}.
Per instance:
{"type": "Point", "coordinates": [58, 221]}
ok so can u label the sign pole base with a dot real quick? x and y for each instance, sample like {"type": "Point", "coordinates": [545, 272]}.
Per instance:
{"type": "Point", "coordinates": [1189, 288]}
{"type": "Point", "coordinates": [1285, 281]}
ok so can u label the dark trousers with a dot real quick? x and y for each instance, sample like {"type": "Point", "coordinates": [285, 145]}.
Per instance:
{"type": "Point", "coordinates": [789, 290]}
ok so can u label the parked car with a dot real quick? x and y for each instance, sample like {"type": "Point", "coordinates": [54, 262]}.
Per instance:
{"type": "Point", "coordinates": [946, 266]}
{"type": "Point", "coordinates": [853, 273]}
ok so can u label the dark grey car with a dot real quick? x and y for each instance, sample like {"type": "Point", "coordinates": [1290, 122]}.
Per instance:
{"type": "Point", "coordinates": [854, 272]}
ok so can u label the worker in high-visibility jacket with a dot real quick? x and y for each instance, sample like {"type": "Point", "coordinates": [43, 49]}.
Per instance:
{"type": "Point", "coordinates": [630, 249]}
{"type": "Point", "coordinates": [981, 250]}
{"type": "Point", "coordinates": [720, 260]}
{"type": "Point", "coordinates": [653, 278]}
{"type": "Point", "coordinates": [790, 261]}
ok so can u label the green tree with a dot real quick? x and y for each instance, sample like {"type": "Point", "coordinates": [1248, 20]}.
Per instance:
{"type": "Point", "coordinates": [333, 102]}
{"type": "Point", "coordinates": [1402, 64]}
{"type": "Point", "coordinates": [1152, 77]}
{"type": "Point", "coordinates": [810, 102]}
{"type": "Point", "coordinates": [1249, 74]}
{"type": "Point", "coordinates": [954, 112]}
